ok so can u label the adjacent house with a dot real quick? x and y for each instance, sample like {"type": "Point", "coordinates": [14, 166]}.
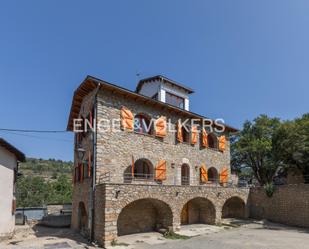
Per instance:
{"type": "Point", "coordinates": [141, 168]}
{"type": "Point", "coordinates": [9, 159]}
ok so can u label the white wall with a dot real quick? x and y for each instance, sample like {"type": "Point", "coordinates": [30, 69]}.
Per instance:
{"type": "Point", "coordinates": [151, 88]}
{"type": "Point", "coordinates": [176, 91]}
{"type": "Point", "coordinates": [7, 165]}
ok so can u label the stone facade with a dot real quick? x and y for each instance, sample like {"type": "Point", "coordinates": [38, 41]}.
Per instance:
{"type": "Point", "coordinates": [115, 149]}
{"type": "Point", "coordinates": [120, 207]}
{"type": "Point", "coordinates": [114, 200]}
{"type": "Point", "coordinates": [288, 205]}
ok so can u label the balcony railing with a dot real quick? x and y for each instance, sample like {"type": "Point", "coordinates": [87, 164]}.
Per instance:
{"type": "Point", "coordinates": [138, 177]}
{"type": "Point", "coordinates": [150, 178]}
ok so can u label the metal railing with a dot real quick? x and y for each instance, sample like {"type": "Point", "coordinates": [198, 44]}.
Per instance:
{"type": "Point", "coordinates": [138, 177]}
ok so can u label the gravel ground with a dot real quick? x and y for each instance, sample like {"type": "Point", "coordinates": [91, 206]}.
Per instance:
{"type": "Point", "coordinates": [245, 235]}
{"type": "Point", "coordinates": [249, 236]}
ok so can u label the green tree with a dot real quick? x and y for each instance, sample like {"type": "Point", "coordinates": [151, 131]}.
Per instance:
{"type": "Point", "coordinates": [253, 147]}
{"type": "Point", "coordinates": [31, 191]}
{"type": "Point", "coordinates": [292, 145]}
{"type": "Point", "coordinates": [60, 190]}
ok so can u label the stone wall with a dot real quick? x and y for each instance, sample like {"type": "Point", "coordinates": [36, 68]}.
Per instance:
{"type": "Point", "coordinates": [115, 149]}
{"type": "Point", "coordinates": [288, 205]}
{"type": "Point", "coordinates": [82, 193]}
{"type": "Point", "coordinates": [114, 201]}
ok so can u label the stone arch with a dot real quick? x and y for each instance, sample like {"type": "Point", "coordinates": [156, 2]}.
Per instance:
{"type": "Point", "coordinates": [212, 141]}
{"type": "Point", "coordinates": [234, 207]}
{"type": "Point", "coordinates": [198, 210]}
{"type": "Point", "coordinates": [82, 219]}
{"type": "Point", "coordinates": [213, 174]}
{"type": "Point", "coordinates": [144, 215]}
{"type": "Point", "coordinates": [143, 170]}
{"type": "Point", "coordinates": [185, 174]}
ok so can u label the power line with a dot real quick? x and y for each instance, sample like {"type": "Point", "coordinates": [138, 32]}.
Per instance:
{"type": "Point", "coordinates": [34, 131]}
{"type": "Point", "coordinates": [38, 137]}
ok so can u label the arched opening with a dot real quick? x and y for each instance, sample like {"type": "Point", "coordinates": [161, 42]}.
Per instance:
{"type": "Point", "coordinates": [142, 124]}
{"type": "Point", "coordinates": [144, 215]}
{"type": "Point", "coordinates": [82, 219]}
{"type": "Point", "coordinates": [185, 174]}
{"type": "Point", "coordinates": [234, 207]}
{"type": "Point", "coordinates": [198, 211]}
{"type": "Point", "coordinates": [212, 141]}
{"type": "Point", "coordinates": [212, 174]}
{"type": "Point", "coordinates": [143, 169]}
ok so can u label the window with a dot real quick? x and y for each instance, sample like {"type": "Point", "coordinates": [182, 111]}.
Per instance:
{"type": "Point", "coordinates": [185, 134]}
{"type": "Point", "coordinates": [143, 169]}
{"type": "Point", "coordinates": [212, 141]}
{"type": "Point", "coordinates": [175, 100]}
{"type": "Point", "coordinates": [185, 174]}
{"type": "Point", "coordinates": [212, 174]}
{"type": "Point", "coordinates": [142, 124]}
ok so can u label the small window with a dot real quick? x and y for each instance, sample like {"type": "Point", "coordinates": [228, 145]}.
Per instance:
{"type": "Point", "coordinates": [143, 169]}
{"type": "Point", "coordinates": [142, 124]}
{"type": "Point", "coordinates": [175, 100]}
{"type": "Point", "coordinates": [186, 134]}
{"type": "Point", "coordinates": [212, 141]}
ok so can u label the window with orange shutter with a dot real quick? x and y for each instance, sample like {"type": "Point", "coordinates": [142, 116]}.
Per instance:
{"type": "Point", "coordinates": [194, 135]}
{"type": "Point", "coordinates": [203, 174]}
{"type": "Point", "coordinates": [160, 174]}
{"type": "Point", "coordinates": [204, 138]}
{"type": "Point", "coordinates": [224, 175]}
{"type": "Point", "coordinates": [222, 142]}
{"type": "Point", "coordinates": [161, 127]}
{"type": "Point", "coordinates": [127, 119]}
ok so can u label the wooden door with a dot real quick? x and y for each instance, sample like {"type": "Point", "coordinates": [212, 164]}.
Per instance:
{"type": "Point", "coordinates": [185, 215]}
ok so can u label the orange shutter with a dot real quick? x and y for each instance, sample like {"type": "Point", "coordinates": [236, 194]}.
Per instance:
{"type": "Point", "coordinates": [222, 142]}
{"type": "Point", "coordinates": [127, 119]}
{"type": "Point", "coordinates": [224, 175]}
{"type": "Point", "coordinates": [193, 135]}
{"type": "Point", "coordinates": [203, 173]}
{"type": "Point", "coordinates": [205, 139]}
{"type": "Point", "coordinates": [161, 171]}
{"type": "Point", "coordinates": [179, 132]}
{"type": "Point", "coordinates": [161, 127]}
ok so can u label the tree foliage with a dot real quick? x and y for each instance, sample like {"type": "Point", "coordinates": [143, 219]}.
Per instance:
{"type": "Point", "coordinates": [253, 147]}
{"type": "Point", "coordinates": [292, 145]}
{"type": "Point", "coordinates": [34, 191]}
{"type": "Point", "coordinates": [267, 144]}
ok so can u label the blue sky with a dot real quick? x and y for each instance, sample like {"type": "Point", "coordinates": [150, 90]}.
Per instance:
{"type": "Point", "coordinates": [242, 57]}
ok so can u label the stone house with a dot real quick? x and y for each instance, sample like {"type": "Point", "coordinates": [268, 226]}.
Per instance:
{"type": "Point", "coordinates": [9, 158]}
{"type": "Point", "coordinates": [143, 168]}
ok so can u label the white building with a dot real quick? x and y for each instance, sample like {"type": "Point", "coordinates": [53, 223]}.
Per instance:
{"type": "Point", "coordinates": [165, 90]}
{"type": "Point", "coordinates": [9, 158]}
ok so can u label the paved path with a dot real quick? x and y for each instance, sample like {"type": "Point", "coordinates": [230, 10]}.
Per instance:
{"type": "Point", "coordinates": [251, 236]}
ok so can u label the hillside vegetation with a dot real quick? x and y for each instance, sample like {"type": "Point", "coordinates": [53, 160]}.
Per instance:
{"type": "Point", "coordinates": [43, 182]}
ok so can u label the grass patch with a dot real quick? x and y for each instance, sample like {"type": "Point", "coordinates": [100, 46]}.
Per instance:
{"type": "Point", "coordinates": [115, 243]}
{"type": "Point", "coordinates": [174, 236]}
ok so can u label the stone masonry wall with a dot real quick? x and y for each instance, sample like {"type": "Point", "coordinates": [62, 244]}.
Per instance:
{"type": "Point", "coordinates": [115, 149]}
{"type": "Point", "coordinates": [288, 205]}
{"type": "Point", "coordinates": [111, 199]}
